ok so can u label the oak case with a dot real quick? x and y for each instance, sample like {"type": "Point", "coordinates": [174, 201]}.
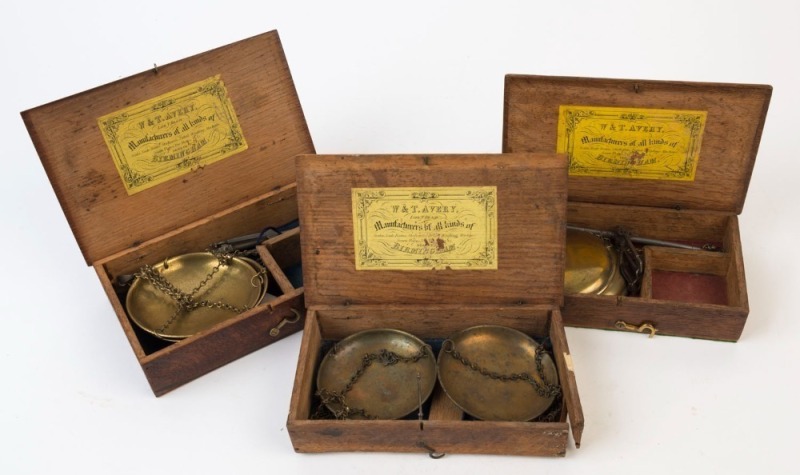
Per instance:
{"type": "Point", "coordinates": [699, 294]}
{"type": "Point", "coordinates": [244, 193]}
{"type": "Point", "coordinates": [524, 293]}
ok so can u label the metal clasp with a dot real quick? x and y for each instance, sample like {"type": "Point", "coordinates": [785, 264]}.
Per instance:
{"type": "Point", "coordinates": [277, 330]}
{"type": "Point", "coordinates": [432, 453]}
{"type": "Point", "coordinates": [622, 325]}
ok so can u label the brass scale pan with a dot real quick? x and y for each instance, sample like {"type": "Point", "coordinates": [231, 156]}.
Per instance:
{"type": "Point", "coordinates": [391, 392]}
{"type": "Point", "coordinates": [384, 391]}
{"type": "Point", "coordinates": [592, 266]}
{"type": "Point", "coordinates": [240, 284]}
{"type": "Point", "coordinates": [500, 350]}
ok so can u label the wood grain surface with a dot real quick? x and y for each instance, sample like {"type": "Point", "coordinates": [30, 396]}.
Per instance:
{"type": "Point", "coordinates": [443, 430]}
{"type": "Point", "coordinates": [242, 194]}
{"type": "Point", "coordinates": [702, 211]}
{"type": "Point", "coordinates": [104, 218]}
{"type": "Point", "coordinates": [531, 201]}
{"type": "Point", "coordinates": [736, 115]}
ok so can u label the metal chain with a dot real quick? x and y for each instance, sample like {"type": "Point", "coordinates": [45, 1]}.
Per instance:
{"type": "Point", "coordinates": [544, 390]}
{"type": "Point", "coordinates": [333, 398]}
{"type": "Point", "coordinates": [186, 301]}
{"type": "Point", "coordinates": [631, 265]}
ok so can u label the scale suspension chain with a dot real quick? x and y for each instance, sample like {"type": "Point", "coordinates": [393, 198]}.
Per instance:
{"type": "Point", "coordinates": [543, 389]}
{"type": "Point", "coordinates": [186, 301]}
{"type": "Point", "coordinates": [385, 357]}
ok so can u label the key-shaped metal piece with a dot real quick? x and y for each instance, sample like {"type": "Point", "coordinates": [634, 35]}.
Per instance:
{"type": "Point", "coordinates": [277, 329]}
{"type": "Point", "coordinates": [622, 325]}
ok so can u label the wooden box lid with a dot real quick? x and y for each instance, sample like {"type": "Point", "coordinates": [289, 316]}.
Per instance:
{"type": "Point", "coordinates": [529, 210]}
{"type": "Point", "coordinates": [727, 146]}
{"type": "Point", "coordinates": [104, 217]}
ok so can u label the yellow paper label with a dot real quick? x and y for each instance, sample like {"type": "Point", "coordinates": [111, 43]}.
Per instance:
{"type": "Point", "coordinates": [425, 228]}
{"type": "Point", "coordinates": [172, 134]}
{"type": "Point", "coordinates": [616, 142]}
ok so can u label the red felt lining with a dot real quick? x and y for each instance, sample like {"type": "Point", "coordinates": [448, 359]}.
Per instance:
{"type": "Point", "coordinates": [689, 287]}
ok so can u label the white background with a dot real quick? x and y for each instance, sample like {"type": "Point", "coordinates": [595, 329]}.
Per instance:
{"type": "Point", "coordinates": [392, 77]}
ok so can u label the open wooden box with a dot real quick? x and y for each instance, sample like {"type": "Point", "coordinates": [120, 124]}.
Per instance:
{"type": "Point", "coordinates": [524, 292]}
{"type": "Point", "coordinates": [240, 194]}
{"type": "Point", "coordinates": [692, 293]}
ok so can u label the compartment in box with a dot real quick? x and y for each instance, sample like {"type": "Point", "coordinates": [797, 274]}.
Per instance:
{"type": "Point", "coordinates": [710, 298]}
{"type": "Point", "coordinates": [444, 428]}
{"type": "Point", "coordinates": [681, 275]}
{"type": "Point", "coordinates": [168, 364]}
{"type": "Point", "coordinates": [667, 160]}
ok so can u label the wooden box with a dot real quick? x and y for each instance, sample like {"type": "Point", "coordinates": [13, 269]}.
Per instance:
{"type": "Point", "coordinates": [664, 160]}
{"type": "Point", "coordinates": [524, 292]}
{"type": "Point", "coordinates": [118, 231]}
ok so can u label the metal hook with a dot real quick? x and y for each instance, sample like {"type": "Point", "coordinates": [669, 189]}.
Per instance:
{"type": "Point", "coordinates": [261, 279]}
{"type": "Point", "coordinates": [432, 453]}
{"type": "Point", "coordinates": [277, 329]}
{"type": "Point", "coordinates": [448, 345]}
{"type": "Point", "coordinates": [622, 325]}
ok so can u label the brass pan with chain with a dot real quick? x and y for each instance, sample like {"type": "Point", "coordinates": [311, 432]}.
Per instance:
{"type": "Point", "coordinates": [497, 373]}
{"type": "Point", "coordinates": [189, 293]}
{"type": "Point", "coordinates": [376, 374]}
{"type": "Point", "coordinates": [609, 262]}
